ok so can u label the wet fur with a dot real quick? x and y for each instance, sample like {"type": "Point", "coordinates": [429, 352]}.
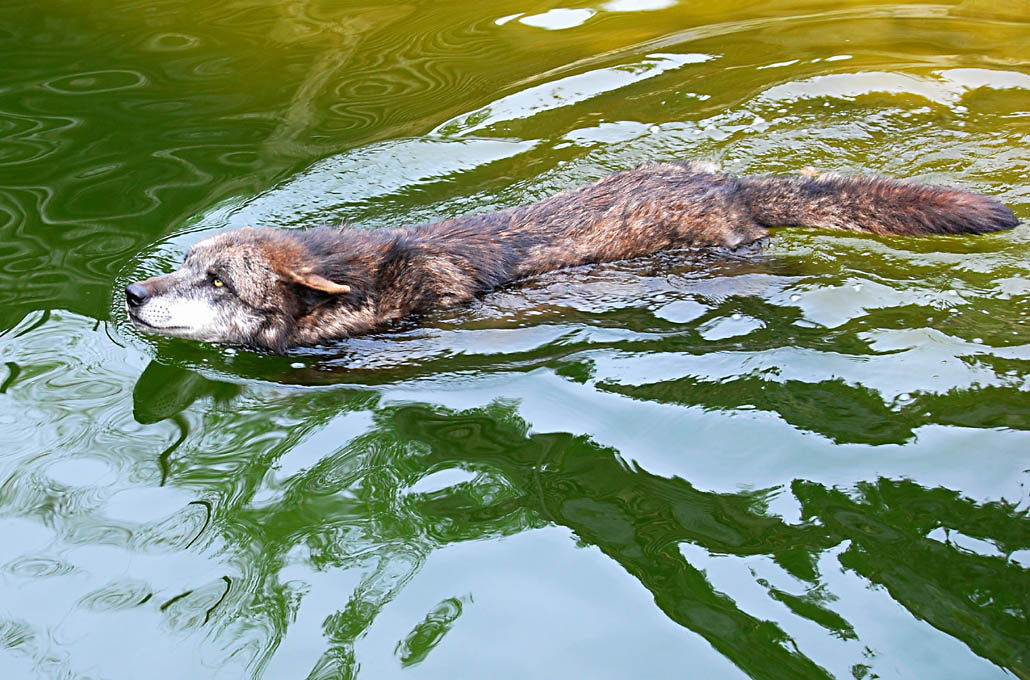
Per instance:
{"type": "Point", "coordinates": [267, 302]}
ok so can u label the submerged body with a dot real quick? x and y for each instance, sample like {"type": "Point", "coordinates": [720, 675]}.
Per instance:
{"type": "Point", "coordinates": [278, 289]}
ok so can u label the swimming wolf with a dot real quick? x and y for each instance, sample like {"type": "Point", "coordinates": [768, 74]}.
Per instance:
{"type": "Point", "coordinates": [277, 289]}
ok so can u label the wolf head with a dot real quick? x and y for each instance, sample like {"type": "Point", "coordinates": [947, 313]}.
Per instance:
{"type": "Point", "coordinates": [252, 287]}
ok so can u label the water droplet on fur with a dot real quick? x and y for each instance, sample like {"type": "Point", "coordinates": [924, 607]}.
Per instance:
{"type": "Point", "coordinates": [297, 364]}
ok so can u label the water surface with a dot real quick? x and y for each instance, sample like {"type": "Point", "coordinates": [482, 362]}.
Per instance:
{"type": "Point", "coordinates": [805, 461]}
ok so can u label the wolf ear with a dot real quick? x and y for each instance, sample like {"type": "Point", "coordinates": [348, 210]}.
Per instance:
{"type": "Point", "coordinates": [306, 277]}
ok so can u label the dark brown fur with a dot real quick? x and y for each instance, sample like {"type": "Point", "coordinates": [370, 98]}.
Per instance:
{"type": "Point", "coordinates": [287, 285]}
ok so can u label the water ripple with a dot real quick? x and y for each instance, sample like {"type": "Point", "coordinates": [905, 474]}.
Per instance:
{"type": "Point", "coordinates": [118, 595]}
{"type": "Point", "coordinates": [96, 82]}
{"type": "Point", "coordinates": [38, 567]}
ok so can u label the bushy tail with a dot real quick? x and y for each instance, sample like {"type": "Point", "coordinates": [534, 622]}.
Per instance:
{"type": "Point", "coordinates": [872, 204]}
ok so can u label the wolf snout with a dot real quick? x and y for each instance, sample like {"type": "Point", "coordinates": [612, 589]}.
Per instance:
{"type": "Point", "coordinates": [136, 294]}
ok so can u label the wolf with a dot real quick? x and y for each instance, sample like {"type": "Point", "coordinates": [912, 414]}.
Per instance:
{"type": "Point", "coordinates": [275, 290]}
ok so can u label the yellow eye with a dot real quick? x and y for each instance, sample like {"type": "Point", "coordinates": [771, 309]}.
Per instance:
{"type": "Point", "coordinates": [217, 283]}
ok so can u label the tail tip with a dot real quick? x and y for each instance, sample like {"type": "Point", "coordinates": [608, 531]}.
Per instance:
{"type": "Point", "coordinates": [982, 214]}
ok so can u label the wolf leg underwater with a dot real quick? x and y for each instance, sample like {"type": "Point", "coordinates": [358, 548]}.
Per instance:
{"type": "Point", "coordinates": [276, 289]}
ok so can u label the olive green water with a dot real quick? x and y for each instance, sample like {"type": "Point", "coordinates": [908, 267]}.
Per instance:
{"type": "Point", "coordinates": [809, 461]}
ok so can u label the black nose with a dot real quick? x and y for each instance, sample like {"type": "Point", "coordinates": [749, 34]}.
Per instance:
{"type": "Point", "coordinates": [136, 294]}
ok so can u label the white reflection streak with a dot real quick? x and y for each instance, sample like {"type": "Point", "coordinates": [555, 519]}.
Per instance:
{"type": "Point", "coordinates": [568, 91]}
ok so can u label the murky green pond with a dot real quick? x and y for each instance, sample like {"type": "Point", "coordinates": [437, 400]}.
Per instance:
{"type": "Point", "coordinates": [805, 462]}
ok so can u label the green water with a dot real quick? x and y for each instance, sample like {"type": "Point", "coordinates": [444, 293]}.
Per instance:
{"type": "Point", "coordinates": [805, 462]}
